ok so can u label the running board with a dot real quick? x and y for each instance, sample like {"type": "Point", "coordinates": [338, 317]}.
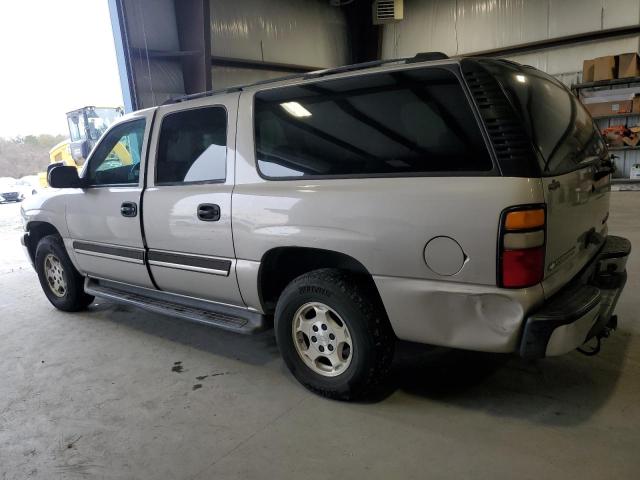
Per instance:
{"type": "Point", "coordinates": [234, 319]}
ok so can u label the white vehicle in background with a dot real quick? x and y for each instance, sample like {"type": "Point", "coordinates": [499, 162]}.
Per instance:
{"type": "Point", "coordinates": [28, 185]}
{"type": "Point", "coordinates": [9, 191]}
{"type": "Point", "coordinates": [12, 190]}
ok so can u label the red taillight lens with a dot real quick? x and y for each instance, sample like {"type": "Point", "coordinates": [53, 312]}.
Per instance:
{"type": "Point", "coordinates": [522, 246]}
{"type": "Point", "coordinates": [522, 268]}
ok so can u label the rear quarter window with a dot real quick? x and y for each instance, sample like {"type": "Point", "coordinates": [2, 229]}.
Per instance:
{"type": "Point", "coordinates": [394, 123]}
{"type": "Point", "coordinates": [559, 126]}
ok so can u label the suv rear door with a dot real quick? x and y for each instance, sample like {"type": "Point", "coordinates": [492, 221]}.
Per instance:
{"type": "Point", "coordinates": [187, 203]}
{"type": "Point", "coordinates": [572, 159]}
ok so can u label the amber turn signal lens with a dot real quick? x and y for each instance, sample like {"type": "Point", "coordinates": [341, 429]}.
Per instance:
{"type": "Point", "coordinates": [524, 219]}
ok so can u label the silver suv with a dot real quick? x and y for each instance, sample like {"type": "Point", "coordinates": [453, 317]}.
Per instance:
{"type": "Point", "coordinates": [453, 202]}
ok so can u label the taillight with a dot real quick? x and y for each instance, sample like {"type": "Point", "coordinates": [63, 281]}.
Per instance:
{"type": "Point", "coordinates": [521, 246]}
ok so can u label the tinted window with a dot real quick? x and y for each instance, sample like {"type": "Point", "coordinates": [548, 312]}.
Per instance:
{"type": "Point", "coordinates": [193, 146]}
{"type": "Point", "coordinates": [116, 159]}
{"type": "Point", "coordinates": [557, 123]}
{"type": "Point", "coordinates": [414, 121]}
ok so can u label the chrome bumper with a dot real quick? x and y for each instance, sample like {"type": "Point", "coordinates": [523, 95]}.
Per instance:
{"type": "Point", "coordinates": [581, 310]}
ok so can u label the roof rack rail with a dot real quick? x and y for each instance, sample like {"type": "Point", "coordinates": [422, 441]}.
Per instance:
{"type": "Point", "coordinates": [352, 67]}
{"type": "Point", "coordinates": [419, 57]}
{"type": "Point", "coordinates": [427, 57]}
{"type": "Point", "coordinates": [193, 96]}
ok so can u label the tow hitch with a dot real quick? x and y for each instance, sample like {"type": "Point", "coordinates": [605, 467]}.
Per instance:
{"type": "Point", "coordinates": [604, 333]}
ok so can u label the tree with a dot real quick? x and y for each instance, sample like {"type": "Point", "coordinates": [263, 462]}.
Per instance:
{"type": "Point", "coordinates": [26, 155]}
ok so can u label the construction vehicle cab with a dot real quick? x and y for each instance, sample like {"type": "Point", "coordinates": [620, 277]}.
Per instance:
{"type": "Point", "coordinates": [86, 125]}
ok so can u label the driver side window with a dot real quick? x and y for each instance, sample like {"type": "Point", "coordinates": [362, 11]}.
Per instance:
{"type": "Point", "coordinates": [116, 160]}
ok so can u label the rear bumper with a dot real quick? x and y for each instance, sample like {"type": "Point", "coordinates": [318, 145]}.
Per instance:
{"type": "Point", "coordinates": [582, 309]}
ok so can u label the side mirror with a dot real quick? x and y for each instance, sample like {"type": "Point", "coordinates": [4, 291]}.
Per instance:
{"type": "Point", "coordinates": [63, 176]}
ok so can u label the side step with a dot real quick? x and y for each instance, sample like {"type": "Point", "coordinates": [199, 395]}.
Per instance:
{"type": "Point", "coordinates": [229, 318]}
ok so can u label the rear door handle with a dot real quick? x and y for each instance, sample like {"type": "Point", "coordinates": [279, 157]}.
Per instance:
{"type": "Point", "coordinates": [128, 209]}
{"type": "Point", "coordinates": [208, 212]}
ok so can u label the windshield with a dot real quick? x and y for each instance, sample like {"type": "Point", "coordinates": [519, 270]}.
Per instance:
{"type": "Point", "coordinates": [90, 123]}
{"type": "Point", "coordinates": [100, 119]}
{"type": "Point", "coordinates": [559, 126]}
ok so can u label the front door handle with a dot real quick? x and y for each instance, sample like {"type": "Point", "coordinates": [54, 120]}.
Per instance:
{"type": "Point", "coordinates": [128, 209]}
{"type": "Point", "coordinates": [554, 185]}
{"type": "Point", "coordinates": [208, 212]}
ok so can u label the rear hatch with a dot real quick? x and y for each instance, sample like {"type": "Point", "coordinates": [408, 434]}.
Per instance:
{"type": "Point", "coordinates": [574, 168]}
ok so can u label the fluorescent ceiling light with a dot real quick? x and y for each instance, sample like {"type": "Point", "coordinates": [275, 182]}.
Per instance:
{"type": "Point", "coordinates": [521, 78]}
{"type": "Point", "coordinates": [295, 109]}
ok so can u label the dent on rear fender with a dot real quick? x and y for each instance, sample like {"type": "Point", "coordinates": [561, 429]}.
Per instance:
{"type": "Point", "coordinates": [490, 321]}
{"type": "Point", "coordinates": [472, 321]}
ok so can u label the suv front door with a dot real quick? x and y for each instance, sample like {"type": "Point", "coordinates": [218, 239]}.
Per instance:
{"type": "Point", "coordinates": [103, 218]}
{"type": "Point", "coordinates": [187, 202]}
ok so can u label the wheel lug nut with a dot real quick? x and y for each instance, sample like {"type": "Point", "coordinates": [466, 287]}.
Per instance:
{"type": "Point", "coordinates": [321, 348]}
{"type": "Point", "coordinates": [332, 336]}
{"type": "Point", "coordinates": [330, 347]}
{"type": "Point", "coordinates": [314, 339]}
{"type": "Point", "coordinates": [324, 327]}
{"type": "Point", "coordinates": [315, 328]}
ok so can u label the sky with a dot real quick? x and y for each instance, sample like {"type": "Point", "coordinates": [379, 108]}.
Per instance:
{"type": "Point", "coordinates": [56, 56]}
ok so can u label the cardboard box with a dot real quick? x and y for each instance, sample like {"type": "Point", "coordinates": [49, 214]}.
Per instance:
{"type": "Point", "coordinates": [605, 68]}
{"type": "Point", "coordinates": [635, 107]}
{"type": "Point", "coordinates": [628, 65]}
{"type": "Point", "coordinates": [635, 172]}
{"type": "Point", "coordinates": [588, 70]}
{"type": "Point", "coordinates": [610, 108]}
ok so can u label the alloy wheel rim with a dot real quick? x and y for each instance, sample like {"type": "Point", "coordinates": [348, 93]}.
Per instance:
{"type": "Point", "coordinates": [54, 273]}
{"type": "Point", "coordinates": [322, 339]}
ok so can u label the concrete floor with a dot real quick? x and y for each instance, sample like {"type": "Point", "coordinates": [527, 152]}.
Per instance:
{"type": "Point", "coordinates": [120, 393]}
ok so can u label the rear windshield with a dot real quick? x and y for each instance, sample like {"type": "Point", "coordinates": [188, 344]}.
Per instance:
{"type": "Point", "coordinates": [396, 123]}
{"type": "Point", "coordinates": [558, 124]}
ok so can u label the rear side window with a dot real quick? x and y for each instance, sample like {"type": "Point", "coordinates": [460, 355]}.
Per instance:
{"type": "Point", "coordinates": [193, 146]}
{"type": "Point", "coordinates": [397, 123]}
{"type": "Point", "coordinates": [557, 123]}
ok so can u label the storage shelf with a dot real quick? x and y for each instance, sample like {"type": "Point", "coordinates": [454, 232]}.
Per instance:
{"type": "Point", "coordinates": [619, 149]}
{"type": "Point", "coordinates": [605, 83]}
{"type": "Point", "coordinates": [625, 180]}
{"type": "Point", "coordinates": [617, 115]}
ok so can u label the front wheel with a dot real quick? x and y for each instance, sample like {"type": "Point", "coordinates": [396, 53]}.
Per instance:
{"type": "Point", "coordinates": [60, 281]}
{"type": "Point", "coordinates": [333, 334]}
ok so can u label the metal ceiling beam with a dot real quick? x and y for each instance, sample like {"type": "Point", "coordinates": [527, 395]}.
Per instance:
{"type": "Point", "coordinates": [559, 42]}
{"type": "Point", "coordinates": [261, 65]}
{"type": "Point", "coordinates": [194, 34]}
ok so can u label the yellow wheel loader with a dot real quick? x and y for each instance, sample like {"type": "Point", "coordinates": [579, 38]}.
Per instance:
{"type": "Point", "coordinates": [86, 126]}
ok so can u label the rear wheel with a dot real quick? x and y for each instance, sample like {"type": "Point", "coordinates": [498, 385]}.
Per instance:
{"type": "Point", "coordinates": [61, 282]}
{"type": "Point", "coordinates": [333, 334]}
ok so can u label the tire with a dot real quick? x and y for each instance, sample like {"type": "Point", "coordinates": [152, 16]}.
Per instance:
{"type": "Point", "coordinates": [69, 284]}
{"type": "Point", "coordinates": [357, 366]}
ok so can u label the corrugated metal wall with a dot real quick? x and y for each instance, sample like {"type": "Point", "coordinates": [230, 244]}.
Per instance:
{"type": "Point", "coordinates": [458, 27]}
{"type": "Point", "coordinates": [293, 32]}
{"type": "Point", "coordinates": [308, 33]}
{"type": "Point", "coordinates": [151, 26]}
